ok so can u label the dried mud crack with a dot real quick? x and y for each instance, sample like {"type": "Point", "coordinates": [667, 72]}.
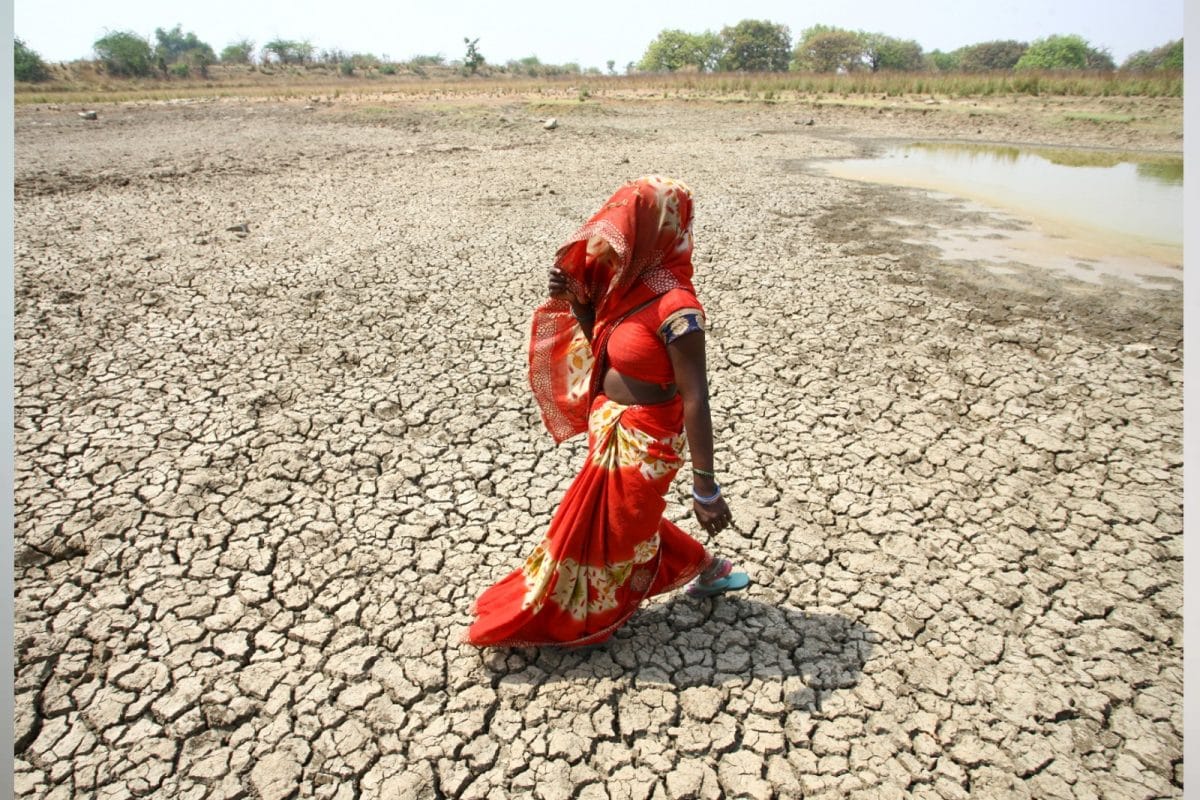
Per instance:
{"type": "Point", "coordinates": [273, 436]}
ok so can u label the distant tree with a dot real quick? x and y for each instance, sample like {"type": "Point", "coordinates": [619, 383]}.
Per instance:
{"type": "Point", "coordinates": [1169, 56]}
{"type": "Point", "coordinates": [756, 46]}
{"type": "Point", "coordinates": [990, 56]}
{"type": "Point", "coordinates": [27, 64]}
{"type": "Point", "coordinates": [1064, 52]}
{"type": "Point", "coordinates": [239, 52]}
{"type": "Point", "coordinates": [366, 61]}
{"type": "Point", "coordinates": [474, 59]}
{"type": "Point", "coordinates": [674, 49]}
{"type": "Point", "coordinates": [1141, 61]}
{"type": "Point", "coordinates": [175, 47]}
{"type": "Point", "coordinates": [882, 52]}
{"type": "Point", "coordinates": [334, 55]}
{"type": "Point", "coordinates": [529, 65]}
{"type": "Point", "coordinates": [813, 31]}
{"type": "Point", "coordinates": [1101, 59]}
{"type": "Point", "coordinates": [829, 50]}
{"type": "Point", "coordinates": [286, 51]}
{"type": "Point", "coordinates": [670, 50]}
{"type": "Point", "coordinates": [612, 66]}
{"type": "Point", "coordinates": [712, 48]}
{"type": "Point", "coordinates": [125, 53]}
{"type": "Point", "coordinates": [943, 62]}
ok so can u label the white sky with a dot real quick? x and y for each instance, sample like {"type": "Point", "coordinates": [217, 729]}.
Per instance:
{"type": "Point", "coordinates": [587, 33]}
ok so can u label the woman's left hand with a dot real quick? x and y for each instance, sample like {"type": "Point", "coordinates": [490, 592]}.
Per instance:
{"type": "Point", "coordinates": [713, 517]}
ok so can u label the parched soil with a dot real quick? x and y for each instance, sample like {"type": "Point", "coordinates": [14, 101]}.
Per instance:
{"type": "Point", "coordinates": [273, 436]}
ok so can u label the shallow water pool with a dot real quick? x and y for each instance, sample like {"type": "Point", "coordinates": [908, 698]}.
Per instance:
{"type": "Point", "coordinates": [1105, 212]}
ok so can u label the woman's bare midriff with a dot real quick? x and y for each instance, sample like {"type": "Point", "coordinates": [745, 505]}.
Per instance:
{"type": "Point", "coordinates": [631, 391]}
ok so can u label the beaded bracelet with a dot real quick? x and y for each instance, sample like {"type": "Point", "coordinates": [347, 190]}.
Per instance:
{"type": "Point", "coordinates": [704, 472]}
{"type": "Point", "coordinates": [707, 500]}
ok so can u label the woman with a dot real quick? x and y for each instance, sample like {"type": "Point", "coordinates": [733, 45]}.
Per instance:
{"type": "Point", "coordinates": [618, 351]}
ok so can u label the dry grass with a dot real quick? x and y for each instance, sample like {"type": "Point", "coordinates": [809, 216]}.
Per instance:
{"type": "Point", "coordinates": [81, 83]}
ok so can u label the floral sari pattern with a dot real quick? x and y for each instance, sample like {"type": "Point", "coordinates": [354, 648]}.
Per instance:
{"type": "Point", "coordinates": [608, 547]}
{"type": "Point", "coordinates": [629, 447]}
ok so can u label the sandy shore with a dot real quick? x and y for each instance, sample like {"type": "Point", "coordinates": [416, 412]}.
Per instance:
{"type": "Point", "coordinates": [273, 436]}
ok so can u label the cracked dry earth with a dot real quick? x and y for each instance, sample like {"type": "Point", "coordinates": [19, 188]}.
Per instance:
{"type": "Point", "coordinates": [262, 473]}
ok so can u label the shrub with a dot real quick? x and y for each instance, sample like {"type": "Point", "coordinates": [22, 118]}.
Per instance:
{"type": "Point", "coordinates": [180, 70]}
{"type": "Point", "coordinates": [125, 53]}
{"type": "Point", "coordinates": [286, 51]}
{"type": "Point", "coordinates": [1169, 56]}
{"type": "Point", "coordinates": [990, 56]}
{"type": "Point", "coordinates": [529, 65]}
{"type": "Point", "coordinates": [364, 61]}
{"type": "Point", "coordinates": [943, 62]}
{"type": "Point", "coordinates": [28, 65]}
{"type": "Point", "coordinates": [175, 47]}
{"type": "Point", "coordinates": [239, 52]}
{"type": "Point", "coordinates": [1064, 52]}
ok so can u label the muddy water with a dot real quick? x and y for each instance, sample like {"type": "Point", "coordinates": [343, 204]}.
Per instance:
{"type": "Point", "coordinates": [1095, 215]}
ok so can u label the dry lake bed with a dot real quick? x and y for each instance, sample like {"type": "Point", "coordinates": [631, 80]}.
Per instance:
{"type": "Point", "coordinates": [273, 435]}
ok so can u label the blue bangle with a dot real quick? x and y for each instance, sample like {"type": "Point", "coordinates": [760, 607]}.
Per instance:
{"type": "Point", "coordinates": [709, 499]}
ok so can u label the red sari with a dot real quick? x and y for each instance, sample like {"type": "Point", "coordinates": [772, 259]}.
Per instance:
{"type": "Point", "coordinates": [608, 547]}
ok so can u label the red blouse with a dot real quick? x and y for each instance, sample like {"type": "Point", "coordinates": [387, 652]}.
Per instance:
{"type": "Point", "coordinates": [638, 346]}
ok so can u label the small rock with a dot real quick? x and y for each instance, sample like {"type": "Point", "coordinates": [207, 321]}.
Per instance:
{"type": "Point", "coordinates": [550, 124]}
{"type": "Point", "coordinates": [87, 114]}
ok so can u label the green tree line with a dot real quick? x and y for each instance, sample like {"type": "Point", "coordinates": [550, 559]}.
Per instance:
{"type": "Point", "coordinates": [749, 46]}
{"type": "Point", "coordinates": [764, 46]}
{"type": "Point", "coordinates": [174, 53]}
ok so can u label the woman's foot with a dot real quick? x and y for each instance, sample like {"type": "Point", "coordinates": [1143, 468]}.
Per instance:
{"type": "Point", "coordinates": [717, 578]}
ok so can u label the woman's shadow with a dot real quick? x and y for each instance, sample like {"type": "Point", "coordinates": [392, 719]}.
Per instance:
{"type": "Point", "coordinates": [685, 642]}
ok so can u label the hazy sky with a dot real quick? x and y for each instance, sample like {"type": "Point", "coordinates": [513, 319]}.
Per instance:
{"type": "Point", "coordinates": [584, 32]}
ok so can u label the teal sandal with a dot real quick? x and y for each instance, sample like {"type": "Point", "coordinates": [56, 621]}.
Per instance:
{"type": "Point", "coordinates": [732, 582]}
